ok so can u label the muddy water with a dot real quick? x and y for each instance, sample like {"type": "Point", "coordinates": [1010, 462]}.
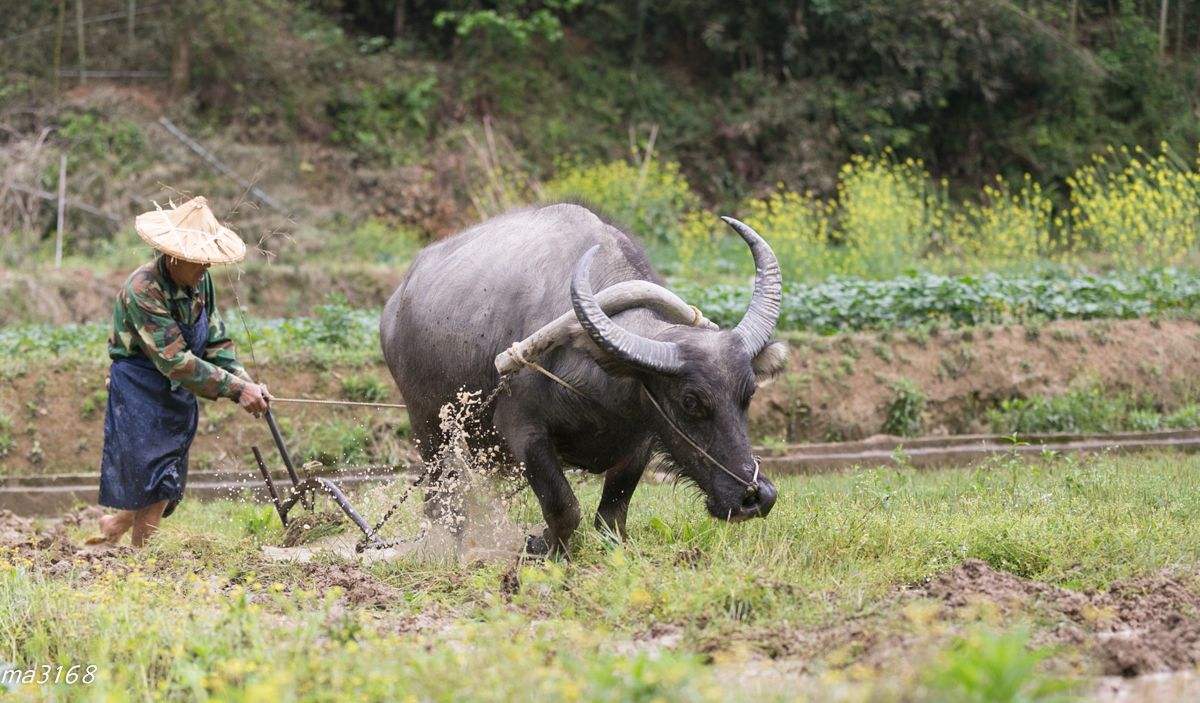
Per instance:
{"type": "Point", "coordinates": [1165, 687]}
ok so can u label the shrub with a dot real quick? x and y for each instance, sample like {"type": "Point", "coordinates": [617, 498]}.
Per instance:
{"type": "Point", "coordinates": [984, 667]}
{"type": "Point", "coordinates": [799, 231]}
{"type": "Point", "coordinates": [334, 323]}
{"type": "Point", "coordinates": [1185, 418]}
{"type": "Point", "coordinates": [884, 213]}
{"type": "Point", "coordinates": [1085, 409]}
{"type": "Point", "coordinates": [1144, 421]}
{"type": "Point", "coordinates": [336, 442]}
{"type": "Point", "coordinates": [92, 403]}
{"type": "Point", "coordinates": [364, 388]}
{"type": "Point", "coordinates": [387, 120]}
{"type": "Point", "coordinates": [93, 137]}
{"type": "Point", "coordinates": [1145, 211]}
{"type": "Point", "coordinates": [903, 416]}
{"type": "Point", "coordinates": [377, 242]}
{"type": "Point", "coordinates": [1010, 226]}
{"type": "Point", "coordinates": [6, 437]}
{"type": "Point", "coordinates": [651, 199]}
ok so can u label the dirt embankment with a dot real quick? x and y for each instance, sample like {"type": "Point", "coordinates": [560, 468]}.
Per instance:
{"type": "Point", "coordinates": [56, 421]}
{"type": "Point", "coordinates": [836, 388]}
{"type": "Point", "coordinates": [839, 388]}
{"type": "Point", "coordinates": [83, 295]}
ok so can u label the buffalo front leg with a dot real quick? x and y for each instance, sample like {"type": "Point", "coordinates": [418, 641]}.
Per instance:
{"type": "Point", "coordinates": [620, 481]}
{"type": "Point", "coordinates": [559, 505]}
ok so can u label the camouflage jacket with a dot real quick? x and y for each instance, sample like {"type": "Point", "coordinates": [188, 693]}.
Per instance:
{"type": "Point", "coordinates": [144, 322]}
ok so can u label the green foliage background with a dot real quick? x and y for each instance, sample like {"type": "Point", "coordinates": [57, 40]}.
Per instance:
{"type": "Point", "coordinates": [744, 94]}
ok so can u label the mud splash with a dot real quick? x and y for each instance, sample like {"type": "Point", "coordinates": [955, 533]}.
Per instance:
{"type": "Point", "coordinates": [461, 512]}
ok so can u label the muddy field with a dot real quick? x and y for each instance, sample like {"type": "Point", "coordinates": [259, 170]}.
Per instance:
{"type": "Point", "coordinates": [1052, 577]}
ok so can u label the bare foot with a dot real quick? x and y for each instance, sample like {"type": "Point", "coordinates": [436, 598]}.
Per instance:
{"type": "Point", "coordinates": [111, 531]}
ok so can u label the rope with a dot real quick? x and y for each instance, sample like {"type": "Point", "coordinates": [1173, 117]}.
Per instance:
{"type": "Point", "coordinates": [242, 316]}
{"type": "Point", "coordinates": [317, 401]}
{"type": "Point", "coordinates": [697, 447]}
{"type": "Point", "coordinates": [515, 352]}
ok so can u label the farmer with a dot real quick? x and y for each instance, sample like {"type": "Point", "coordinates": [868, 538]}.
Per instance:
{"type": "Point", "coordinates": [168, 345]}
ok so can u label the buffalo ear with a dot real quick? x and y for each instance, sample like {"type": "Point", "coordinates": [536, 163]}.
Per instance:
{"type": "Point", "coordinates": [770, 361]}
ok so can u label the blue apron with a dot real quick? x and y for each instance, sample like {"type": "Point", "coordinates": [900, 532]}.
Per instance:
{"type": "Point", "coordinates": [148, 429]}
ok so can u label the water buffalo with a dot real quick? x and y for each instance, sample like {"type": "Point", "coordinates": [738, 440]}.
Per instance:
{"type": "Point", "coordinates": [652, 375]}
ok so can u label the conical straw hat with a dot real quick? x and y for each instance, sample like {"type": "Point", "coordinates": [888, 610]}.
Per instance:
{"type": "Point", "coordinates": [190, 232]}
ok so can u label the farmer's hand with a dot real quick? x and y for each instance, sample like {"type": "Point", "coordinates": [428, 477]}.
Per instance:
{"type": "Point", "coordinates": [254, 398]}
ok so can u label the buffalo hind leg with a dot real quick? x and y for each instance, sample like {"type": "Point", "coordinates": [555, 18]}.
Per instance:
{"type": "Point", "coordinates": [620, 481]}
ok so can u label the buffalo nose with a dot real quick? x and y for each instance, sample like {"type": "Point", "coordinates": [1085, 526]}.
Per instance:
{"type": "Point", "coordinates": [761, 500]}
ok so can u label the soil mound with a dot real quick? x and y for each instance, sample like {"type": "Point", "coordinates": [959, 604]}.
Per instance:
{"type": "Point", "coordinates": [49, 544]}
{"type": "Point", "coordinates": [360, 587]}
{"type": "Point", "coordinates": [1144, 625]}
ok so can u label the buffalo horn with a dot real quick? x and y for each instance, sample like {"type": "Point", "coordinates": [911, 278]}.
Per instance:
{"type": "Point", "coordinates": [758, 324]}
{"type": "Point", "coordinates": [634, 349]}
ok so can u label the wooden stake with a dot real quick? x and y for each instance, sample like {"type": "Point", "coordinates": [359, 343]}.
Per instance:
{"type": "Point", "coordinates": [62, 209]}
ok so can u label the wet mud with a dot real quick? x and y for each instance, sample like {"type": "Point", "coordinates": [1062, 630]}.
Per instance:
{"type": "Point", "coordinates": [1140, 626]}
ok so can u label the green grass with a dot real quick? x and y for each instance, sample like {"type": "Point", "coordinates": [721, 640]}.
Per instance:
{"type": "Point", "coordinates": [364, 388]}
{"type": "Point", "coordinates": [202, 614]}
{"type": "Point", "coordinates": [337, 334]}
{"type": "Point", "coordinates": [6, 436]}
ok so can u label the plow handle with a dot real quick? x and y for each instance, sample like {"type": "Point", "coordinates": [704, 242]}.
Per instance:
{"type": "Point", "coordinates": [283, 452]}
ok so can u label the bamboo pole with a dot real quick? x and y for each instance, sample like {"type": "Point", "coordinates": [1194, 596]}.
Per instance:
{"type": "Point", "coordinates": [79, 38]}
{"type": "Point", "coordinates": [1162, 27]}
{"type": "Point", "coordinates": [254, 191]}
{"type": "Point", "coordinates": [62, 210]}
{"type": "Point", "coordinates": [58, 43]}
{"type": "Point", "coordinates": [50, 197]}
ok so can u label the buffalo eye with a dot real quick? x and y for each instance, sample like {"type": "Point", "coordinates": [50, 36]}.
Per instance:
{"type": "Point", "coordinates": [694, 404]}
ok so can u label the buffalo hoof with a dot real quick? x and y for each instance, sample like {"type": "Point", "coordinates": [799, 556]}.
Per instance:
{"type": "Point", "coordinates": [536, 546]}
